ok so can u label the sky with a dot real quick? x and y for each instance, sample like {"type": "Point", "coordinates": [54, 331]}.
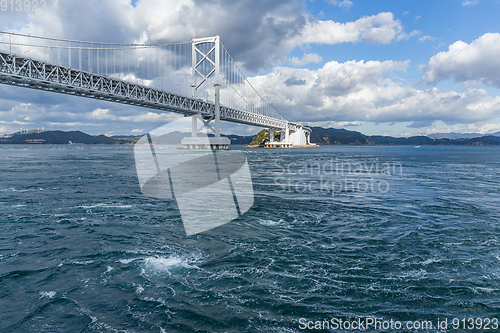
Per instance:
{"type": "Point", "coordinates": [389, 67]}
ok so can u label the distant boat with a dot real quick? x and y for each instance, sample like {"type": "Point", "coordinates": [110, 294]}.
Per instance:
{"type": "Point", "coordinates": [417, 146]}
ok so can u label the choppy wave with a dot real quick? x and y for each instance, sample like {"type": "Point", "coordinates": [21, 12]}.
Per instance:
{"type": "Point", "coordinates": [105, 205]}
{"type": "Point", "coordinates": [47, 294]}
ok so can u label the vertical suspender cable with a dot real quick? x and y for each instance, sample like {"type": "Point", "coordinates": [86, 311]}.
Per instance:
{"type": "Point", "coordinates": [121, 63]}
{"type": "Point", "coordinates": [175, 65]}
{"type": "Point", "coordinates": [98, 56]}
{"type": "Point", "coordinates": [170, 67]}
{"type": "Point", "coordinates": [80, 57]}
{"type": "Point", "coordinates": [105, 71]}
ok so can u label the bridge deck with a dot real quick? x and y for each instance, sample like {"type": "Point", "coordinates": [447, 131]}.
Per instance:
{"type": "Point", "coordinates": [35, 74]}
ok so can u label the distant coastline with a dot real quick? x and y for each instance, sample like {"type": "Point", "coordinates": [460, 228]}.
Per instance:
{"type": "Point", "coordinates": [36, 137]}
{"type": "Point", "coordinates": [342, 137]}
{"type": "Point", "coordinates": [61, 137]}
{"type": "Point", "coordinates": [320, 136]}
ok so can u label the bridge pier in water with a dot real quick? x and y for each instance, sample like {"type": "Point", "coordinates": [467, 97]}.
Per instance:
{"type": "Point", "coordinates": [205, 142]}
{"type": "Point", "coordinates": [299, 136]}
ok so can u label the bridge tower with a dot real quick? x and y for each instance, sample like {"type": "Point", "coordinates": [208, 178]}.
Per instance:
{"type": "Point", "coordinates": [206, 65]}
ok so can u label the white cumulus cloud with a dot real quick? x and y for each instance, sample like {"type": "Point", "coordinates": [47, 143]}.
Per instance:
{"type": "Point", "coordinates": [381, 29]}
{"type": "Point", "coordinates": [365, 91]}
{"type": "Point", "coordinates": [306, 59]}
{"type": "Point", "coordinates": [470, 2]}
{"type": "Point", "coordinates": [426, 38]}
{"type": "Point", "coordinates": [344, 3]}
{"type": "Point", "coordinates": [477, 61]}
{"type": "Point", "coordinates": [258, 36]}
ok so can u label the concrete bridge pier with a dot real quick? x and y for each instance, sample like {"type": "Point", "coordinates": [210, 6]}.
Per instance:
{"type": "Point", "coordinates": [294, 135]}
{"type": "Point", "coordinates": [286, 137]}
{"type": "Point", "coordinates": [205, 142]}
{"type": "Point", "coordinates": [301, 136]}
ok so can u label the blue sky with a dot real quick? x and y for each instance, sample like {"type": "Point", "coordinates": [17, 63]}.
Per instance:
{"type": "Point", "coordinates": [444, 20]}
{"type": "Point", "coordinates": [396, 68]}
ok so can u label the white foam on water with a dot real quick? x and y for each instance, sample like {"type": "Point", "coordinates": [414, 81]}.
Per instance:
{"type": "Point", "coordinates": [85, 263]}
{"type": "Point", "coordinates": [47, 294]}
{"type": "Point", "coordinates": [413, 274]}
{"type": "Point", "coordinates": [280, 223]}
{"type": "Point", "coordinates": [161, 301]}
{"type": "Point", "coordinates": [13, 189]}
{"type": "Point", "coordinates": [481, 290]}
{"type": "Point", "coordinates": [269, 223]}
{"type": "Point", "coordinates": [356, 268]}
{"type": "Point", "coordinates": [128, 261]}
{"type": "Point", "coordinates": [105, 205]}
{"type": "Point", "coordinates": [430, 261]}
{"type": "Point", "coordinates": [163, 263]}
{"type": "Point", "coordinates": [87, 312]}
{"type": "Point", "coordinates": [103, 327]}
{"type": "Point", "coordinates": [167, 264]}
{"type": "Point", "coordinates": [156, 300]}
{"type": "Point", "coordinates": [139, 290]}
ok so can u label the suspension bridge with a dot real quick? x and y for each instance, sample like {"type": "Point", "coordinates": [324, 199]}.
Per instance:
{"type": "Point", "coordinates": [198, 79]}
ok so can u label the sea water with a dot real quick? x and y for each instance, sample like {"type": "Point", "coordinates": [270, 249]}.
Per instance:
{"type": "Point", "coordinates": [335, 233]}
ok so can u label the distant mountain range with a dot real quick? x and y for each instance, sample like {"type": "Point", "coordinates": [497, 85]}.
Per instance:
{"type": "Point", "coordinates": [331, 136]}
{"type": "Point", "coordinates": [320, 136]}
{"type": "Point", "coordinates": [58, 137]}
{"type": "Point", "coordinates": [455, 136]}
{"type": "Point", "coordinates": [77, 137]}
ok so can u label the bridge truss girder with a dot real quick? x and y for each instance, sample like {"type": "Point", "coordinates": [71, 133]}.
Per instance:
{"type": "Point", "coordinates": [41, 75]}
